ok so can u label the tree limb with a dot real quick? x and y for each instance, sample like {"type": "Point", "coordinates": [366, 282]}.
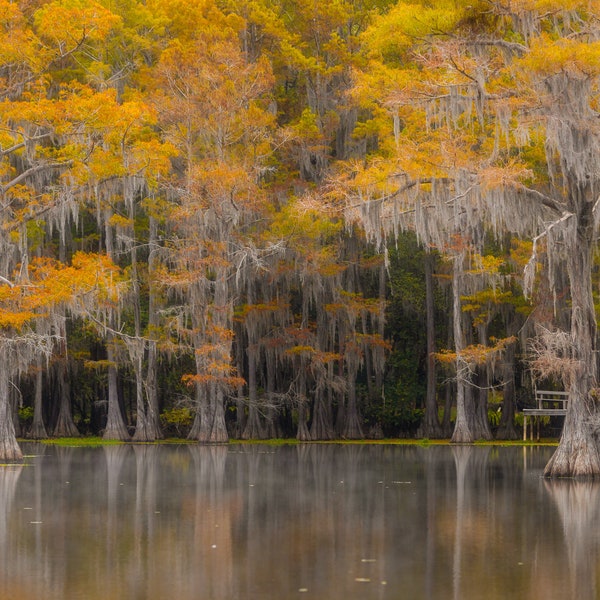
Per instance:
{"type": "Point", "coordinates": [546, 201]}
{"type": "Point", "coordinates": [32, 171]}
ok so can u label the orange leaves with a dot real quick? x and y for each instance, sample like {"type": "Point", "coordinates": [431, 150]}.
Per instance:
{"type": "Point", "coordinates": [51, 285]}
{"type": "Point", "coordinates": [68, 23]}
{"type": "Point", "coordinates": [476, 354]}
{"type": "Point", "coordinates": [212, 101]}
{"type": "Point", "coordinates": [230, 381]}
{"type": "Point", "coordinates": [509, 175]}
{"type": "Point", "coordinates": [259, 310]}
{"type": "Point", "coordinates": [547, 56]}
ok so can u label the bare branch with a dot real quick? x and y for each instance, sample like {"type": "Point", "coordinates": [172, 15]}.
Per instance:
{"type": "Point", "coordinates": [529, 271]}
{"type": "Point", "coordinates": [546, 201]}
{"type": "Point", "coordinates": [500, 43]}
{"type": "Point", "coordinates": [32, 171]}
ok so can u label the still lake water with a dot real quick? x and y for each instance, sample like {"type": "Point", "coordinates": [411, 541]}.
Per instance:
{"type": "Point", "coordinates": [321, 522]}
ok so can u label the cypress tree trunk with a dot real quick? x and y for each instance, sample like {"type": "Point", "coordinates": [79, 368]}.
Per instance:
{"type": "Point", "coordinates": [115, 424]}
{"type": "Point", "coordinates": [142, 430]}
{"type": "Point", "coordinates": [431, 424]}
{"type": "Point", "coordinates": [462, 431]}
{"type": "Point", "coordinates": [302, 433]}
{"type": "Point", "coordinates": [65, 427]}
{"type": "Point", "coordinates": [38, 429]}
{"type": "Point", "coordinates": [578, 453]}
{"type": "Point", "coordinates": [322, 421]}
{"type": "Point", "coordinates": [481, 425]}
{"type": "Point", "coordinates": [254, 428]}
{"type": "Point", "coordinates": [153, 411]}
{"type": "Point", "coordinates": [352, 425]}
{"type": "Point", "coordinates": [273, 426]}
{"type": "Point", "coordinates": [506, 430]}
{"type": "Point", "coordinates": [218, 432]}
{"type": "Point", "coordinates": [200, 430]}
{"type": "Point", "coordinates": [9, 447]}
{"type": "Point", "coordinates": [153, 408]}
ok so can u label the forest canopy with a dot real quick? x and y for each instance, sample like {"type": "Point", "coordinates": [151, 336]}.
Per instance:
{"type": "Point", "coordinates": [358, 218]}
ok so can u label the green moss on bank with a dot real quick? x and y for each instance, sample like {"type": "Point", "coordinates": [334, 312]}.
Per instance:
{"type": "Point", "coordinates": [98, 441]}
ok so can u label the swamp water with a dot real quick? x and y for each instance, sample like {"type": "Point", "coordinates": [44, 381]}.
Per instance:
{"type": "Point", "coordinates": [314, 521]}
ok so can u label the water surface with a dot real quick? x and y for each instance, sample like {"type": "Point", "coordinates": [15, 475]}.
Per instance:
{"type": "Point", "coordinates": [295, 522]}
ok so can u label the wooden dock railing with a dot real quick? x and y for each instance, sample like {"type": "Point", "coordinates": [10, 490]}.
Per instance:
{"type": "Point", "coordinates": [547, 403]}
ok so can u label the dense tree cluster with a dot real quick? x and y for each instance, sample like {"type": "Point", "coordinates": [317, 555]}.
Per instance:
{"type": "Point", "coordinates": [320, 220]}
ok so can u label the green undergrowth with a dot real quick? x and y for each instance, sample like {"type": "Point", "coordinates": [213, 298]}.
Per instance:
{"type": "Point", "coordinates": [79, 441]}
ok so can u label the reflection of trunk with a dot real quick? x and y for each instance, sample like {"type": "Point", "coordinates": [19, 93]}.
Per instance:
{"type": "Point", "coordinates": [138, 563]}
{"type": "Point", "coordinates": [115, 456]}
{"type": "Point", "coordinates": [461, 458]}
{"type": "Point", "coordinates": [146, 456]}
{"type": "Point", "coordinates": [431, 424]}
{"type": "Point", "coordinates": [38, 430]}
{"type": "Point", "coordinates": [462, 432]}
{"type": "Point", "coordinates": [577, 503]}
{"type": "Point", "coordinates": [476, 459]}
{"type": "Point", "coordinates": [8, 485]}
{"type": "Point", "coordinates": [212, 552]}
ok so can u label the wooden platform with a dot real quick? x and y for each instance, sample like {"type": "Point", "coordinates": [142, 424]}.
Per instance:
{"type": "Point", "coordinates": [548, 403]}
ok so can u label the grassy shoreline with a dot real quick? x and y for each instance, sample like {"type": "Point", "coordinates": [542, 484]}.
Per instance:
{"type": "Point", "coordinates": [98, 441]}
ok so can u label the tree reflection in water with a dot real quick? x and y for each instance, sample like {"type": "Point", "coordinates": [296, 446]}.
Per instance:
{"type": "Point", "coordinates": [343, 522]}
{"type": "Point", "coordinates": [578, 504]}
{"type": "Point", "coordinates": [9, 476]}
